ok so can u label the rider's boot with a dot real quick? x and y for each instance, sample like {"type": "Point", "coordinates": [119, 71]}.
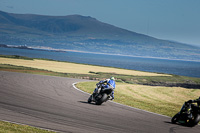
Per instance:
{"type": "Point", "coordinates": [110, 97]}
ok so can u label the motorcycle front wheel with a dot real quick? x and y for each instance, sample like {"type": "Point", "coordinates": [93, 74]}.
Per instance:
{"type": "Point", "coordinates": [90, 99]}
{"type": "Point", "coordinates": [175, 118]}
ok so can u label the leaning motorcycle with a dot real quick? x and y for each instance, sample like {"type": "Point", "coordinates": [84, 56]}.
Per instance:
{"type": "Point", "coordinates": [101, 96]}
{"type": "Point", "coordinates": [189, 115]}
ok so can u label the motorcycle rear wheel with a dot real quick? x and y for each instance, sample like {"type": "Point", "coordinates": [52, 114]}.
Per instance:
{"type": "Point", "coordinates": [103, 99]}
{"type": "Point", "coordinates": [195, 121]}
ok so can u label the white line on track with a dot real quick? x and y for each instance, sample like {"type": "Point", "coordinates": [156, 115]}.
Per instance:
{"type": "Point", "coordinates": [119, 103]}
{"type": "Point", "coordinates": [88, 94]}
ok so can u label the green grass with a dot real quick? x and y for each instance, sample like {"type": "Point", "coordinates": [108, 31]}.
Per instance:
{"type": "Point", "coordinates": [162, 100]}
{"type": "Point", "coordinates": [16, 57]}
{"type": "Point", "coordinates": [137, 91]}
{"type": "Point", "coordinates": [172, 81]}
{"type": "Point", "coordinates": [6, 127]}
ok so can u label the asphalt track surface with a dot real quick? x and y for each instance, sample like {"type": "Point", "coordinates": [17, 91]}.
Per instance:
{"type": "Point", "coordinates": [52, 103]}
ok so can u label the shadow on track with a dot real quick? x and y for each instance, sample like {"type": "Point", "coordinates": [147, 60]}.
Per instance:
{"type": "Point", "coordinates": [175, 124]}
{"type": "Point", "coordinates": [177, 127]}
{"type": "Point", "coordinates": [90, 103]}
{"type": "Point", "coordinates": [86, 102]}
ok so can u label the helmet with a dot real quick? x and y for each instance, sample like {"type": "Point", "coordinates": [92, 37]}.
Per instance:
{"type": "Point", "coordinates": [112, 78]}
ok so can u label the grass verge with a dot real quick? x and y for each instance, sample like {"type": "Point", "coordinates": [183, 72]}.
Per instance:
{"type": "Point", "coordinates": [68, 67]}
{"type": "Point", "coordinates": [6, 127]}
{"type": "Point", "coordinates": [157, 93]}
{"type": "Point", "coordinates": [162, 100]}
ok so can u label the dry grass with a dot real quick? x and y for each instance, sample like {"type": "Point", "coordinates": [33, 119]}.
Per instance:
{"type": "Point", "coordinates": [161, 100]}
{"type": "Point", "coordinates": [154, 93]}
{"type": "Point", "coordinates": [66, 67]}
{"type": "Point", "coordinates": [6, 127]}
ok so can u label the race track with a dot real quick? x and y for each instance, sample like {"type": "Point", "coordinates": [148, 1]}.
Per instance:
{"type": "Point", "coordinates": [52, 103]}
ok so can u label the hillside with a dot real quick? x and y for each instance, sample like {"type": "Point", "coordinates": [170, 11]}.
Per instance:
{"type": "Point", "coordinates": [85, 33]}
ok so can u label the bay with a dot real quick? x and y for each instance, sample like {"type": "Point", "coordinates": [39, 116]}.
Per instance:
{"type": "Point", "coordinates": [177, 67]}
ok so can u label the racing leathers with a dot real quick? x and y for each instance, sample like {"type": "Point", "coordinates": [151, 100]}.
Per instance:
{"type": "Point", "coordinates": [189, 105]}
{"type": "Point", "coordinates": [195, 101]}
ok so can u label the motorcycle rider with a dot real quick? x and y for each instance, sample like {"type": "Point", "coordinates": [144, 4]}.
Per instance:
{"type": "Point", "coordinates": [188, 106]}
{"type": "Point", "coordinates": [110, 83]}
{"type": "Point", "coordinates": [195, 101]}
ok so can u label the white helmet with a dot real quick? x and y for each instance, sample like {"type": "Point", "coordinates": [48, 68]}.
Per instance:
{"type": "Point", "coordinates": [112, 78]}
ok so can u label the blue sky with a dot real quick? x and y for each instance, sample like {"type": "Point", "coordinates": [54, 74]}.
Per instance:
{"type": "Point", "coordinates": [177, 20]}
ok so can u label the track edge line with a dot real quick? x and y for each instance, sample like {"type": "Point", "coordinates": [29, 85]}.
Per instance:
{"type": "Point", "coordinates": [120, 103]}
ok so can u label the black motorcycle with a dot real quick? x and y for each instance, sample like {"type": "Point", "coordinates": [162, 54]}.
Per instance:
{"type": "Point", "coordinates": [189, 115]}
{"type": "Point", "coordinates": [102, 96]}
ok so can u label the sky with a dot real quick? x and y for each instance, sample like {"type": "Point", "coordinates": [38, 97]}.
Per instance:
{"type": "Point", "coordinates": [176, 20]}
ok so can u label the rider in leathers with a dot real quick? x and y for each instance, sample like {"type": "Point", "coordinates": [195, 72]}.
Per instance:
{"type": "Point", "coordinates": [188, 104]}
{"type": "Point", "coordinates": [195, 101]}
{"type": "Point", "coordinates": [110, 83]}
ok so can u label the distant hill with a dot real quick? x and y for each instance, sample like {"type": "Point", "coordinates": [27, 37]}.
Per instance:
{"type": "Point", "coordinates": [85, 33]}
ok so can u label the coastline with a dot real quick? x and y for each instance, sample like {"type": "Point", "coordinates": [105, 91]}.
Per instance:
{"type": "Point", "coordinates": [43, 48]}
{"type": "Point", "coordinates": [177, 67]}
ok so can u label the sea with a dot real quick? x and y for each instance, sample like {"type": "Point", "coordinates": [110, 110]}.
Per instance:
{"type": "Point", "coordinates": [177, 67]}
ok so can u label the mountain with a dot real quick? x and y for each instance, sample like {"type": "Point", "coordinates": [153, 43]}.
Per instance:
{"type": "Point", "coordinates": [84, 33]}
{"type": "Point", "coordinates": [72, 25]}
